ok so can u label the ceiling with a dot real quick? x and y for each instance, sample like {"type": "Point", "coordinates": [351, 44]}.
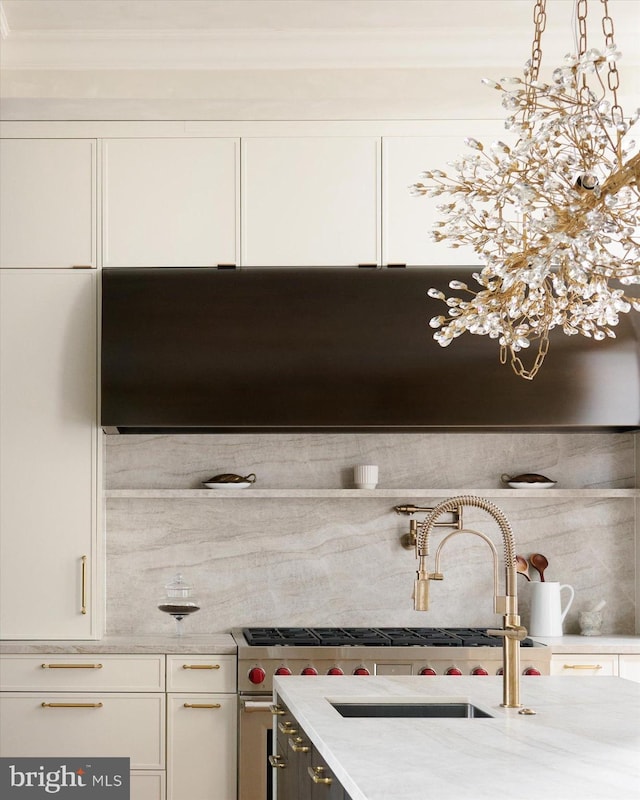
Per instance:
{"type": "Point", "coordinates": [290, 34]}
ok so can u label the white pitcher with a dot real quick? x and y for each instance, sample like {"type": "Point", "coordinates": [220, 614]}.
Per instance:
{"type": "Point", "coordinates": [547, 614]}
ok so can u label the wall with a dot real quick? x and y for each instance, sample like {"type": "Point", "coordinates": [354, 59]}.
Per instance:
{"type": "Point", "coordinates": [338, 561]}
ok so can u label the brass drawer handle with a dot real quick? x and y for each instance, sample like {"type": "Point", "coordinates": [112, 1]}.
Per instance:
{"type": "Point", "coordinates": [287, 728]}
{"type": "Point", "coordinates": [276, 762]}
{"type": "Point", "coordinates": [71, 705]}
{"type": "Point", "coordinates": [202, 705]}
{"type": "Point", "coordinates": [298, 746]}
{"type": "Point", "coordinates": [201, 666]}
{"type": "Point", "coordinates": [72, 666]}
{"type": "Point", "coordinates": [582, 666]}
{"type": "Point", "coordinates": [279, 712]}
{"type": "Point", "coordinates": [317, 775]}
{"type": "Point", "coordinates": [83, 609]}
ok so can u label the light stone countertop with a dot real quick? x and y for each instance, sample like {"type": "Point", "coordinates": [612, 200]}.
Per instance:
{"type": "Point", "coordinates": [584, 741]}
{"type": "Point", "coordinates": [591, 644]}
{"type": "Point", "coordinates": [213, 644]}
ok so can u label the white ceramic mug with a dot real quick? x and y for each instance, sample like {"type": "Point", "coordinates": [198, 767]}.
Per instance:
{"type": "Point", "coordinates": [365, 476]}
{"type": "Point", "coordinates": [547, 614]}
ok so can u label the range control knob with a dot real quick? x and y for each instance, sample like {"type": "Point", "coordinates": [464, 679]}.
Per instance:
{"type": "Point", "coordinates": [361, 671]}
{"type": "Point", "coordinates": [531, 671]}
{"type": "Point", "coordinates": [335, 671]}
{"type": "Point", "coordinates": [309, 671]}
{"type": "Point", "coordinates": [479, 671]}
{"type": "Point", "coordinates": [500, 671]}
{"type": "Point", "coordinates": [453, 671]}
{"type": "Point", "coordinates": [282, 671]}
{"type": "Point", "coordinates": [257, 675]}
{"type": "Point", "coordinates": [427, 671]}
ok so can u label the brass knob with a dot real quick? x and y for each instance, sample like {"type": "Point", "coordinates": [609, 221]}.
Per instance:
{"type": "Point", "coordinates": [277, 762]}
{"type": "Point", "coordinates": [277, 711]}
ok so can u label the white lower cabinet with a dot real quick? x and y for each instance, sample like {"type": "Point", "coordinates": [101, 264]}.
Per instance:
{"type": "Point", "coordinates": [202, 715]}
{"type": "Point", "coordinates": [89, 705]}
{"type": "Point", "coordinates": [179, 731]}
{"type": "Point", "coordinates": [576, 664]}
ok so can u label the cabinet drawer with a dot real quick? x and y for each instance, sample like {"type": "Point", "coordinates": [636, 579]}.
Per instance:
{"type": "Point", "coordinates": [63, 673]}
{"type": "Point", "coordinates": [577, 664]}
{"type": "Point", "coordinates": [148, 785]}
{"type": "Point", "coordinates": [187, 673]}
{"type": "Point", "coordinates": [91, 724]}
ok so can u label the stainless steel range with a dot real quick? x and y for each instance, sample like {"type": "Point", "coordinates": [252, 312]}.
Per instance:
{"type": "Point", "coordinates": [265, 652]}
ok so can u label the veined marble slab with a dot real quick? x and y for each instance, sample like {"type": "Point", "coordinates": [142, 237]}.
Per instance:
{"type": "Point", "coordinates": [215, 644]}
{"type": "Point", "coordinates": [583, 741]}
{"type": "Point", "coordinates": [592, 644]}
{"type": "Point", "coordinates": [338, 561]}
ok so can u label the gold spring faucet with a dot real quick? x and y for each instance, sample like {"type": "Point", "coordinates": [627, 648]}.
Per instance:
{"type": "Point", "coordinates": [507, 605]}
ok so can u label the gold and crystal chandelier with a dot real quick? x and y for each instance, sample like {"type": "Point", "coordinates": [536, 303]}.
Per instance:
{"type": "Point", "coordinates": [554, 219]}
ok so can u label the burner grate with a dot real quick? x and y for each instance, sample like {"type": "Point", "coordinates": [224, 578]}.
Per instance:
{"type": "Point", "coordinates": [373, 637]}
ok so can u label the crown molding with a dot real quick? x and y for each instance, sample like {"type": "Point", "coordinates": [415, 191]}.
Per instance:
{"type": "Point", "coordinates": [468, 41]}
{"type": "Point", "coordinates": [253, 49]}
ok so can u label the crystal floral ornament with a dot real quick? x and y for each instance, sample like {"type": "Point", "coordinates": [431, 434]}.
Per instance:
{"type": "Point", "coordinates": [555, 218]}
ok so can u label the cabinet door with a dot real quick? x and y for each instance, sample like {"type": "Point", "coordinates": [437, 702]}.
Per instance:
{"type": "Point", "coordinates": [577, 664]}
{"type": "Point", "coordinates": [630, 667]}
{"type": "Point", "coordinates": [48, 457]}
{"type": "Point", "coordinates": [47, 202]}
{"type": "Point", "coordinates": [201, 746]}
{"type": "Point", "coordinates": [170, 202]}
{"type": "Point", "coordinates": [129, 725]}
{"type": "Point", "coordinates": [310, 201]}
{"type": "Point", "coordinates": [407, 221]}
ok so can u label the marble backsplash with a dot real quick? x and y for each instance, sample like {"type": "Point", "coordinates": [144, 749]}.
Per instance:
{"type": "Point", "coordinates": [339, 561]}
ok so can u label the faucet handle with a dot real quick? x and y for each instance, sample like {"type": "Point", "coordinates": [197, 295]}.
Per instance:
{"type": "Point", "coordinates": [518, 632]}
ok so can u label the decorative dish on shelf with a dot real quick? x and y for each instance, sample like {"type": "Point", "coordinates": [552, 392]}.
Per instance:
{"type": "Point", "coordinates": [228, 480]}
{"type": "Point", "coordinates": [529, 480]}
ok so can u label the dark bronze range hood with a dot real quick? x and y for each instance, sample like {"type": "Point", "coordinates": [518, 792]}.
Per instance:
{"type": "Point", "coordinates": [335, 350]}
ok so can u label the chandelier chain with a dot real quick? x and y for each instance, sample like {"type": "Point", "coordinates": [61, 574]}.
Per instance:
{"type": "Point", "coordinates": [582, 11]}
{"type": "Point", "coordinates": [540, 23]}
{"type": "Point", "coordinates": [613, 76]}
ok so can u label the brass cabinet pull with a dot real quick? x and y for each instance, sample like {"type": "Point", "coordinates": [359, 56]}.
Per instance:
{"type": "Point", "coordinates": [71, 705]}
{"type": "Point", "coordinates": [298, 746]}
{"type": "Point", "coordinates": [72, 666]}
{"type": "Point", "coordinates": [582, 666]}
{"type": "Point", "coordinates": [279, 712]}
{"type": "Point", "coordinates": [201, 666]}
{"type": "Point", "coordinates": [202, 705]}
{"type": "Point", "coordinates": [83, 608]}
{"type": "Point", "coordinates": [287, 728]}
{"type": "Point", "coordinates": [317, 775]}
{"type": "Point", "coordinates": [276, 762]}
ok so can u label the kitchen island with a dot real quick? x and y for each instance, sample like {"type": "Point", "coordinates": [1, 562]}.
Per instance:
{"type": "Point", "coordinates": [583, 741]}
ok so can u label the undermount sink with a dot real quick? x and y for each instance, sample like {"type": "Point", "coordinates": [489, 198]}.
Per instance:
{"type": "Point", "coordinates": [416, 710]}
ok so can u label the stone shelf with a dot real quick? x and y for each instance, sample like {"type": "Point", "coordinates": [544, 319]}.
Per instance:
{"type": "Point", "coordinates": [398, 494]}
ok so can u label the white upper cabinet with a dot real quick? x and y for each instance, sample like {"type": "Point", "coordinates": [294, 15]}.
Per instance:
{"type": "Point", "coordinates": [47, 202]}
{"type": "Point", "coordinates": [170, 202]}
{"type": "Point", "coordinates": [48, 459]}
{"type": "Point", "coordinates": [408, 220]}
{"type": "Point", "coordinates": [311, 201]}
